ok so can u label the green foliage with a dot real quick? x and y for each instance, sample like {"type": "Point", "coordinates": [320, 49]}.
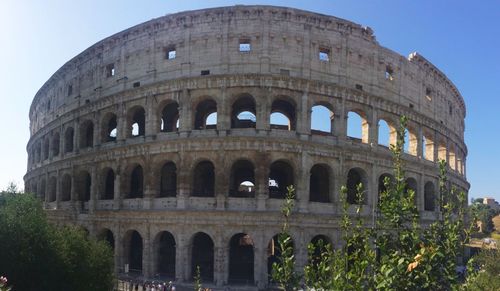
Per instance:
{"type": "Point", "coordinates": [483, 213]}
{"type": "Point", "coordinates": [36, 255]}
{"type": "Point", "coordinates": [197, 279]}
{"type": "Point", "coordinates": [484, 272]}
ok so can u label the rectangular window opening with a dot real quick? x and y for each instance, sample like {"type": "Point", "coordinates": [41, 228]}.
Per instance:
{"type": "Point", "coordinates": [284, 72]}
{"type": "Point", "coordinates": [389, 73]}
{"type": "Point", "coordinates": [245, 46]}
{"type": "Point", "coordinates": [428, 94]}
{"type": "Point", "coordinates": [171, 53]}
{"type": "Point", "coordinates": [110, 70]}
{"type": "Point", "coordinates": [70, 90]}
{"type": "Point", "coordinates": [205, 72]}
{"type": "Point", "coordinates": [324, 54]}
{"type": "Point", "coordinates": [137, 84]}
{"type": "Point", "coordinates": [359, 87]}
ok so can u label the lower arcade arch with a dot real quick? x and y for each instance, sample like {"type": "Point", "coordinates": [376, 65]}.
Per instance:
{"type": "Point", "coordinates": [241, 259]}
{"type": "Point", "coordinates": [164, 247]}
{"type": "Point", "coordinates": [133, 249]}
{"type": "Point", "coordinates": [274, 252]}
{"type": "Point", "coordinates": [202, 256]}
{"type": "Point", "coordinates": [107, 236]}
{"type": "Point", "coordinates": [320, 244]}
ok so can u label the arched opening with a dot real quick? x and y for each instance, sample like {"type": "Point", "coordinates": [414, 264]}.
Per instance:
{"type": "Point", "coordinates": [136, 182]}
{"type": "Point", "coordinates": [83, 186]}
{"type": "Point", "coordinates": [442, 151]}
{"type": "Point", "coordinates": [204, 180]}
{"type": "Point", "coordinates": [133, 251]}
{"type": "Point", "coordinates": [170, 117]}
{"type": "Point", "coordinates": [109, 126]}
{"type": "Point", "coordinates": [165, 249]}
{"type": "Point", "coordinates": [202, 256]}
{"type": "Point", "coordinates": [68, 140]}
{"type": "Point", "coordinates": [428, 147]}
{"type": "Point", "coordinates": [107, 236]}
{"type": "Point", "coordinates": [241, 259]}
{"type": "Point", "coordinates": [206, 115]}
{"type": "Point", "coordinates": [321, 120]}
{"type": "Point", "coordinates": [242, 179]}
{"type": "Point", "coordinates": [52, 189]}
{"type": "Point", "coordinates": [43, 187]}
{"type": "Point", "coordinates": [280, 177]}
{"type": "Point", "coordinates": [283, 115]}
{"type": "Point", "coordinates": [357, 126]}
{"type": "Point", "coordinates": [46, 148]}
{"type": "Point", "coordinates": [387, 133]}
{"type": "Point", "coordinates": [55, 145]}
{"type": "Point", "coordinates": [411, 185]}
{"type": "Point", "coordinates": [243, 112]}
{"type": "Point", "coordinates": [137, 121]}
{"type": "Point", "coordinates": [320, 245]}
{"type": "Point", "coordinates": [382, 188]}
{"type": "Point", "coordinates": [429, 197]}
{"type": "Point", "coordinates": [168, 180]}
{"type": "Point", "coordinates": [274, 253]}
{"type": "Point", "coordinates": [66, 188]}
{"type": "Point", "coordinates": [355, 177]}
{"type": "Point", "coordinates": [86, 134]}
{"type": "Point", "coordinates": [109, 184]}
{"type": "Point", "coordinates": [452, 158]}
{"type": "Point", "coordinates": [319, 184]}
{"type": "Point", "coordinates": [38, 151]}
{"type": "Point", "coordinates": [412, 140]}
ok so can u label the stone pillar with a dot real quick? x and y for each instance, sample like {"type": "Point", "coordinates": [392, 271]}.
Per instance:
{"type": "Point", "coordinates": [185, 113]}
{"type": "Point", "coordinates": [340, 124]}
{"type": "Point", "coordinates": [262, 181]}
{"type": "Point", "coordinates": [119, 263]}
{"type": "Point", "coordinates": [117, 197]}
{"type": "Point", "coordinates": [374, 129]}
{"type": "Point", "coordinates": [181, 259]}
{"type": "Point", "coordinates": [149, 191]}
{"type": "Point", "coordinates": [122, 126]}
{"type": "Point", "coordinates": [303, 175]}
{"type": "Point", "coordinates": [223, 111]}
{"type": "Point", "coordinates": [220, 261]}
{"type": "Point", "coordinates": [147, 253]}
{"type": "Point", "coordinates": [93, 189]}
{"type": "Point", "coordinates": [420, 142]}
{"type": "Point", "coordinates": [183, 179]}
{"type": "Point", "coordinates": [58, 190]}
{"type": "Point", "coordinates": [300, 251]}
{"type": "Point", "coordinates": [151, 117]}
{"type": "Point", "coordinates": [260, 261]}
{"type": "Point", "coordinates": [436, 147]}
{"type": "Point", "coordinates": [97, 130]}
{"type": "Point", "coordinates": [303, 113]}
{"type": "Point", "coordinates": [221, 185]}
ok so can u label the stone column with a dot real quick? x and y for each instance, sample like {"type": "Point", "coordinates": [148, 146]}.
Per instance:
{"type": "Point", "coordinates": [149, 191]}
{"type": "Point", "coordinates": [303, 113]}
{"type": "Point", "coordinates": [220, 261]}
{"type": "Point", "coordinates": [117, 197]}
{"type": "Point", "coordinates": [147, 253]}
{"type": "Point", "coordinates": [97, 130]}
{"type": "Point", "coordinates": [183, 185]}
{"type": "Point", "coordinates": [223, 111]}
{"type": "Point", "coordinates": [118, 249]}
{"type": "Point", "coordinates": [185, 113]}
{"type": "Point", "coordinates": [122, 126]}
{"type": "Point", "coordinates": [260, 261]}
{"type": "Point", "coordinates": [373, 131]}
{"type": "Point", "coordinates": [303, 175]}
{"type": "Point", "coordinates": [181, 259]}
{"type": "Point", "coordinates": [58, 190]}
{"type": "Point", "coordinates": [262, 181]}
{"type": "Point", "coordinates": [93, 189]}
{"type": "Point", "coordinates": [221, 185]}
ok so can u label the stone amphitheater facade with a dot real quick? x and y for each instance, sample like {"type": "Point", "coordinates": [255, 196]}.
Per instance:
{"type": "Point", "coordinates": [125, 142]}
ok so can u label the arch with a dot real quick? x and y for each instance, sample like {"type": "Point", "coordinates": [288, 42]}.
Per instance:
{"type": "Point", "coordinates": [241, 259]}
{"type": "Point", "coordinates": [164, 247]}
{"type": "Point", "coordinates": [204, 180]}
{"type": "Point", "coordinates": [442, 151]}
{"type": "Point", "coordinates": [136, 118]}
{"type": "Point", "coordinates": [283, 114]}
{"type": "Point", "coordinates": [52, 188]}
{"type": "Point", "coordinates": [357, 126]}
{"type": "Point", "coordinates": [319, 183]}
{"type": "Point", "coordinates": [280, 177]}
{"type": "Point", "coordinates": [274, 253]}
{"type": "Point", "coordinates": [242, 179]}
{"type": "Point", "coordinates": [168, 180]}
{"type": "Point", "coordinates": [243, 112]}
{"type": "Point", "coordinates": [411, 184]}
{"type": "Point", "coordinates": [356, 176]}
{"type": "Point", "coordinates": [387, 133]}
{"type": "Point", "coordinates": [320, 244]}
{"type": "Point", "coordinates": [68, 139]}
{"type": "Point", "coordinates": [136, 182]}
{"type": "Point", "coordinates": [109, 127]}
{"type": "Point", "coordinates": [46, 148]}
{"type": "Point", "coordinates": [86, 134]}
{"type": "Point", "coordinates": [38, 151]}
{"type": "Point", "coordinates": [452, 157]}
{"type": "Point", "coordinates": [169, 116]}
{"type": "Point", "coordinates": [55, 144]}
{"type": "Point", "coordinates": [109, 184]}
{"type": "Point", "coordinates": [66, 187]}
{"type": "Point", "coordinates": [429, 197]}
{"type": "Point", "coordinates": [411, 140]}
{"type": "Point", "coordinates": [206, 113]}
{"type": "Point", "coordinates": [43, 188]}
{"type": "Point", "coordinates": [202, 256]}
{"type": "Point", "coordinates": [133, 251]}
{"type": "Point", "coordinates": [381, 183]}
{"type": "Point", "coordinates": [107, 236]}
{"type": "Point", "coordinates": [428, 147]}
{"type": "Point", "coordinates": [321, 119]}
{"type": "Point", "coordinates": [83, 186]}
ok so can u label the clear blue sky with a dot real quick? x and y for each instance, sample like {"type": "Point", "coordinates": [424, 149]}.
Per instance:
{"type": "Point", "coordinates": [462, 38]}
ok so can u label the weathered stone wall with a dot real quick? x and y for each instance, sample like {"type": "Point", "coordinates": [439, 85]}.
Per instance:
{"type": "Point", "coordinates": [71, 153]}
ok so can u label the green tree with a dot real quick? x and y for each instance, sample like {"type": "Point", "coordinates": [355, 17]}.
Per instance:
{"type": "Point", "coordinates": [35, 255]}
{"type": "Point", "coordinates": [484, 272]}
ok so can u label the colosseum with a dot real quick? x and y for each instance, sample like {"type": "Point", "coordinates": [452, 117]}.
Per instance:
{"type": "Point", "coordinates": [175, 139]}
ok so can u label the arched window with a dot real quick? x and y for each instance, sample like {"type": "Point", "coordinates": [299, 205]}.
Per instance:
{"type": "Point", "coordinates": [206, 115]}
{"type": "Point", "coordinates": [107, 236]}
{"type": "Point", "coordinates": [241, 259]}
{"type": "Point", "coordinates": [137, 121]}
{"type": "Point", "coordinates": [38, 151]}
{"type": "Point", "coordinates": [412, 140]}
{"type": "Point", "coordinates": [109, 184]}
{"type": "Point", "coordinates": [382, 183]}
{"type": "Point", "coordinates": [170, 117]}
{"type": "Point", "coordinates": [68, 139]}
{"type": "Point", "coordinates": [55, 145]}
{"type": "Point", "coordinates": [243, 112]}
{"type": "Point", "coordinates": [319, 184]}
{"type": "Point", "coordinates": [83, 186]}
{"type": "Point", "coordinates": [321, 120]}
{"type": "Point", "coordinates": [242, 179]}
{"type": "Point", "coordinates": [320, 244]}
{"type": "Point", "coordinates": [429, 197]}
{"type": "Point", "coordinates": [133, 248]}
{"type": "Point", "coordinates": [168, 180]}
{"type": "Point", "coordinates": [274, 253]}
{"type": "Point", "coordinates": [387, 133]}
{"type": "Point", "coordinates": [86, 134]}
{"type": "Point", "coordinates": [165, 250]}
{"type": "Point", "coordinates": [202, 256]}
{"type": "Point", "coordinates": [66, 188]}
{"type": "Point", "coordinates": [280, 177]}
{"type": "Point", "coordinates": [136, 182]}
{"type": "Point", "coordinates": [428, 147]}
{"type": "Point", "coordinates": [43, 188]}
{"type": "Point", "coordinates": [442, 151]}
{"type": "Point", "coordinates": [46, 147]}
{"type": "Point", "coordinates": [204, 180]}
{"type": "Point", "coordinates": [452, 159]}
{"type": "Point", "coordinates": [411, 184]}
{"type": "Point", "coordinates": [357, 126]}
{"type": "Point", "coordinates": [283, 115]}
{"type": "Point", "coordinates": [52, 188]}
{"type": "Point", "coordinates": [109, 128]}
{"type": "Point", "coordinates": [355, 177]}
